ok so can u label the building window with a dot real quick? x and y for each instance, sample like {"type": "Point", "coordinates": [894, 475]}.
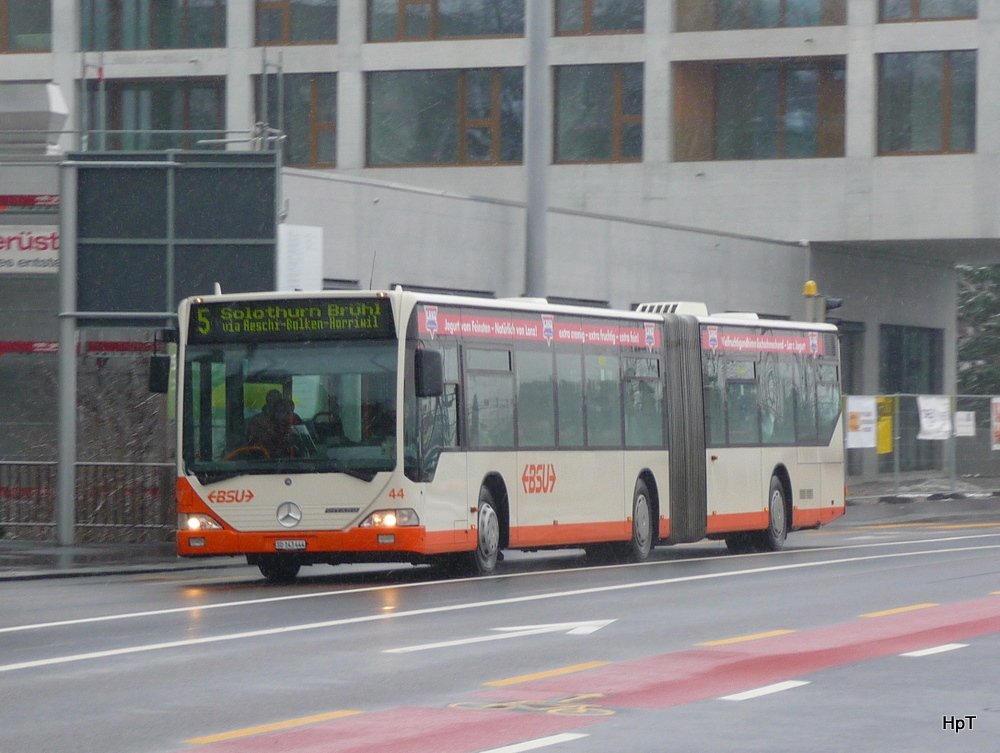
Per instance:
{"type": "Point", "coordinates": [768, 110]}
{"type": "Point", "coordinates": [296, 21]}
{"type": "Point", "coordinates": [599, 16]}
{"type": "Point", "coordinates": [917, 10]}
{"type": "Point", "coordinates": [598, 110]}
{"type": "Point", "coordinates": [141, 113]}
{"type": "Point", "coordinates": [446, 117]}
{"type": "Point", "coordinates": [307, 115]}
{"type": "Point", "coordinates": [25, 26]}
{"type": "Point", "coordinates": [152, 24]}
{"type": "Point", "coordinates": [709, 15]}
{"type": "Point", "coordinates": [927, 102]}
{"type": "Point", "coordinates": [406, 20]}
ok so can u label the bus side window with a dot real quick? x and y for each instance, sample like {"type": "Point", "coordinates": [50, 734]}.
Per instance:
{"type": "Point", "coordinates": [715, 402]}
{"type": "Point", "coordinates": [535, 399]}
{"type": "Point", "coordinates": [603, 393]}
{"type": "Point", "coordinates": [569, 368]}
{"type": "Point", "coordinates": [489, 383]}
{"type": "Point", "coordinates": [827, 400]}
{"type": "Point", "coordinates": [643, 403]}
{"type": "Point", "coordinates": [805, 408]}
{"type": "Point", "coordinates": [743, 413]}
{"type": "Point", "coordinates": [777, 400]}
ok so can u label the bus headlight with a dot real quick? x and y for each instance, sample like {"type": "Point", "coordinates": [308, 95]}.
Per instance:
{"type": "Point", "coordinates": [197, 522]}
{"type": "Point", "coordinates": [391, 519]}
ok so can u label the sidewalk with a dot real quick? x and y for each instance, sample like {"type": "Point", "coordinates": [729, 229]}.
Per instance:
{"type": "Point", "coordinates": [27, 560]}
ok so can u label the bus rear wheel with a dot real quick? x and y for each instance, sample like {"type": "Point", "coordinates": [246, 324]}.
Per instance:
{"type": "Point", "coordinates": [642, 523]}
{"type": "Point", "coordinates": [773, 539]}
{"type": "Point", "coordinates": [277, 568]}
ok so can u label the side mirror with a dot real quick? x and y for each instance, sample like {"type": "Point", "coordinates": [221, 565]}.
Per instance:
{"type": "Point", "coordinates": [159, 373]}
{"type": "Point", "coordinates": [428, 373]}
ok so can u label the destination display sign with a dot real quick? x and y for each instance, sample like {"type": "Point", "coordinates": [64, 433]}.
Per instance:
{"type": "Point", "coordinates": [278, 320]}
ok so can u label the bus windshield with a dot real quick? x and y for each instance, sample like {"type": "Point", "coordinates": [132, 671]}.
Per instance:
{"type": "Point", "coordinates": [286, 407]}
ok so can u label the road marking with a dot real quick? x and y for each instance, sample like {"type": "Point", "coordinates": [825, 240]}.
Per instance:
{"type": "Point", "coordinates": [548, 673]}
{"type": "Point", "coordinates": [745, 638]}
{"type": "Point", "coordinates": [477, 605]}
{"type": "Point", "coordinates": [274, 727]}
{"type": "Point", "coordinates": [943, 526]}
{"type": "Point", "coordinates": [901, 610]}
{"type": "Point", "coordinates": [766, 690]}
{"type": "Point", "coordinates": [542, 742]}
{"type": "Point", "coordinates": [570, 628]}
{"type": "Point", "coordinates": [370, 589]}
{"type": "Point", "coordinates": [936, 649]}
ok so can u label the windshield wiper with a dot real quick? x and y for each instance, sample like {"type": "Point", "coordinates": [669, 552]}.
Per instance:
{"type": "Point", "coordinates": [364, 474]}
{"type": "Point", "coordinates": [214, 477]}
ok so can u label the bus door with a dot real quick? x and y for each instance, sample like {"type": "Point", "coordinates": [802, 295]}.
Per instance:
{"type": "Point", "coordinates": [685, 428]}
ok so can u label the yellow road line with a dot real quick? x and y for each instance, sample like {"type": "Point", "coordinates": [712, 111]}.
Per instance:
{"type": "Point", "coordinates": [274, 727]}
{"type": "Point", "coordinates": [548, 673]}
{"type": "Point", "coordinates": [745, 638]}
{"type": "Point", "coordinates": [900, 610]}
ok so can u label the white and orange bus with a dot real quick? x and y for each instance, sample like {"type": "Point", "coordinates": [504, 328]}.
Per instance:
{"type": "Point", "coordinates": [433, 428]}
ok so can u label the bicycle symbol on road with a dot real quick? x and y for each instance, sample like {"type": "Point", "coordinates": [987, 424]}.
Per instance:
{"type": "Point", "coordinates": [574, 705]}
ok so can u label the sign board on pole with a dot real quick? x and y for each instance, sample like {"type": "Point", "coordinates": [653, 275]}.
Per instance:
{"type": "Point", "coordinates": [965, 423]}
{"type": "Point", "coordinates": [861, 421]}
{"type": "Point", "coordinates": [935, 416]}
{"type": "Point", "coordinates": [886, 412]}
{"type": "Point", "coordinates": [995, 423]}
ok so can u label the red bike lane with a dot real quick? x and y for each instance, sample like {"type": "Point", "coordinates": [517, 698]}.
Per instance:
{"type": "Point", "coordinates": [572, 702]}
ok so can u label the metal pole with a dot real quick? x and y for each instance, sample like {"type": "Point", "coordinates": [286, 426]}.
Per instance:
{"type": "Point", "coordinates": [537, 147]}
{"type": "Point", "coordinates": [170, 304]}
{"type": "Point", "coordinates": [66, 469]}
{"type": "Point", "coordinates": [895, 449]}
{"type": "Point", "coordinates": [952, 439]}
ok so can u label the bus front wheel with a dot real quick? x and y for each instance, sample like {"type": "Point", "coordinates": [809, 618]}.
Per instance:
{"type": "Point", "coordinates": [487, 551]}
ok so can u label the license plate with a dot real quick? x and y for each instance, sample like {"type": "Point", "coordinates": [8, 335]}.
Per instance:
{"type": "Point", "coordinates": [290, 545]}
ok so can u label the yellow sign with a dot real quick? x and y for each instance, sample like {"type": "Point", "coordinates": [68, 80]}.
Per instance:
{"type": "Point", "coordinates": [886, 407]}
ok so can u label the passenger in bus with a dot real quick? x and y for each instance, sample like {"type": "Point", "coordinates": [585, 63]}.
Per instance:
{"type": "Point", "coordinates": [271, 428]}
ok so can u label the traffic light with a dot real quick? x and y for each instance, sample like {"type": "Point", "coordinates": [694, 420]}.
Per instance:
{"type": "Point", "coordinates": [818, 306]}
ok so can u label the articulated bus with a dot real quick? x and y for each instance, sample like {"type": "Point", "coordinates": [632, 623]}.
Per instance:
{"type": "Point", "coordinates": [386, 426]}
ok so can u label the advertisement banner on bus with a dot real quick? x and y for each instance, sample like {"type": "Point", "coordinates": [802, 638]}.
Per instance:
{"type": "Point", "coordinates": [548, 328]}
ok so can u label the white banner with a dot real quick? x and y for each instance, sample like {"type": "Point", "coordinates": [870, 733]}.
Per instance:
{"type": "Point", "coordinates": [861, 421]}
{"type": "Point", "coordinates": [29, 249]}
{"type": "Point", "coordinates": [935, 416]}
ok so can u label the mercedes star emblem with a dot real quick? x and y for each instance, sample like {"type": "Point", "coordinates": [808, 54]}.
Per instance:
{"type": "Point", "coordinates": [289, 514]}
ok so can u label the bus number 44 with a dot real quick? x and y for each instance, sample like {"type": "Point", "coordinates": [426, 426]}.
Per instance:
{"type": "Point", "coordinates": [538, 478]}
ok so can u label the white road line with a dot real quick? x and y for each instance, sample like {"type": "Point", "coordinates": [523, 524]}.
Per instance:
{"type": "Point", "coordinates": [766, 690]}
{"type": "Point", "coordinates": [542, 742]}
{"type": "Point", "coordinates": [505, 576]}
{"type": "Point", "coordinates": [474, 605]}
{"type": "Point", "coordinates": [936, 650]}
